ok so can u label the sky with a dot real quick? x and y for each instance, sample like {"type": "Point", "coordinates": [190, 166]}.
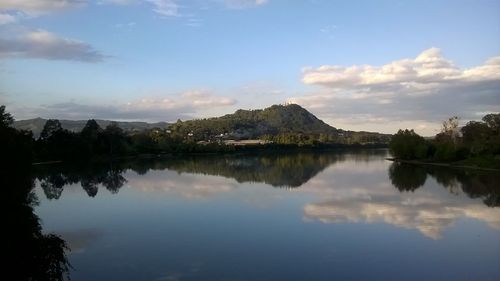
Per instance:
{"type": "Point", "coordinates": [357, 65]}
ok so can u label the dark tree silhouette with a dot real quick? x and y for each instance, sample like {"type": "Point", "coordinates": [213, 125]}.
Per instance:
{"type": "Point", "coordinates": [113, 180]}
{"type": "Point", "coordinates": [53, 185]}
{"type": "Point", "coordinates": [90, 187]}
{"type": "Point", "coordinates": [407, 144]}
{"type": "Point", "coordinates": [51, 127]}
{"type": "Point", "coordinates": [5, 118]}
{"type": "Point", "coordinates": [114, 139]}
{"type": "Point", "coordinates": [28, 253]}
{"type": "Point", "coordinates": [91, 130]}
{"type": "Point", "coordinates": [493, 122]}
{"type": "Point", "coordinates": [474, 183]}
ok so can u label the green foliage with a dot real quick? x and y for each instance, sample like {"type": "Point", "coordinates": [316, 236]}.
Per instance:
{"type": "Point", "coordinates": [474, 136]}
{"type": "Point", "coordinates": [476, 140]}
{"type": "Point", "coordinates": [445, 152]}
{"type": "Point", "coordinates": [247, 124]}
{"type": "Point", "coordinates": [407, 144]}
{"type": "Point", "coordinates": [283, 126]}
{"type": "Point", "coordinates": [483, 138]}
{"type": "Point", "coordinates": [280, 124]}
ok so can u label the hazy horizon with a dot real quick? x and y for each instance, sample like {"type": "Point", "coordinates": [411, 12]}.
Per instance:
{"type": "Point", "coordinates": [361, 66]}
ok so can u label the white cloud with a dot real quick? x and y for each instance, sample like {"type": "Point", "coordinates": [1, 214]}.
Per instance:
{"type": "Point", "coordinates": [36, 7]}
{"type": "Point", "coordinates": [427, 68]}
{"type": "Point", "coordinates": [195, 99]}
{"type": "Point", "coordinates": [6, 18]}
{"type": "Point", "coordinates": [158, 108]}
{"type": "Point", "coordinates": [119, 2]}
{"type": "Point", "coordinates": [427, 88]}
{"type": "Point", "coordinates": [167, 8]}
{"type": "Point", "coordinates": [194, 22]}
{"type": "Point", "coordinates": [46, 45]}
{"type": "Point", "coordinates": [125, 25]}
{"type": "Point", "coordinates": [347, 195]}
{"type": "Point", "coordinates": [187, 185]}
{"type": "Point", "coordinates": [164, 8]}
{"type": "Point", "coordinates": [431, 218]}
{"type": "Point", "coordinates": [241, 4]}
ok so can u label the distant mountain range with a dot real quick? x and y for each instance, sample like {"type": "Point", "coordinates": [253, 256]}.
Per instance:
{"type": "Point", "coordinates": [36, 125]}
{"type": "Point", "coordinates": [277, 119]}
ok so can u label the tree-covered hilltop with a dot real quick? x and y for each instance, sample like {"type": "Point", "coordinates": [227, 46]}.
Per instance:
{"type": "Point", "coordinates": [282, 124]}
{"type": "Point", "coordinates": [475, 144]}
{"type": "Point", "coordinates": [250, 124]}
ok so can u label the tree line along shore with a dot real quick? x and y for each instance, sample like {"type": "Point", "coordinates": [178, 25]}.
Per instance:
{"type": "Point", "coordinates": [280, 127]}
{"type": "Point", "coordinates": [475, 145]}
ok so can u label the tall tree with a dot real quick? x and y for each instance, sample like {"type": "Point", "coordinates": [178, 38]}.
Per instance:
{"type": "Point", "coordinates": [407, 144]}
{"type": "Point", "coordinates": [114, 138]}
{"type": "Point", "coordinates": [51, 127]}
{"type": "Point", "coordinates": [450, 128]}
{"type": "Point", "coordinates": [493, 121]}
{"type": "Point", "coordinates": [6, 118]}
{"type": "Point", "coordinates": [91, 129]}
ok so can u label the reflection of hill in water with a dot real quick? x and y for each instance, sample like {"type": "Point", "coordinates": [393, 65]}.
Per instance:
{"type": "Point", "coordinates": [475, 183]}
{"type": "Point", "coordinates": [276, 169]}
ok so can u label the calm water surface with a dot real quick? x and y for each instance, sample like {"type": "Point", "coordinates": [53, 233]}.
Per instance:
{"type": "Point", "coordinates": [298, 216]}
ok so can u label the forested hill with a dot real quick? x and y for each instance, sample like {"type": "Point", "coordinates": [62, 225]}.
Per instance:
{"type": "Point", "coordinates": [36, 125]}
{"type": "Point", "coordinates": [282, 124]}
{"type": "Point", "coordinates": [277, 119]}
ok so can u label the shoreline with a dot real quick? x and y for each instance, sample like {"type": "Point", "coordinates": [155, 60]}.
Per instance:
{"type": "Point", "coordinates": [440, 164]}
{"type": "Point", "coordinates": [239, 150]}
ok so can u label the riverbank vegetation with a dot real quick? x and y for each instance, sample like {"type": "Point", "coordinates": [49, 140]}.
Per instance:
{"type": "Point", "coordinates": [283, 127]}
{"type": "Point", "coordinates": [475, 144]}
{"type": "Point", "coordinates": [31, 254]}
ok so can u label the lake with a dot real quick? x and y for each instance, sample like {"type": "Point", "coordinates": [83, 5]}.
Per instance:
{"type": "Point", "coordinates": [348, 215]}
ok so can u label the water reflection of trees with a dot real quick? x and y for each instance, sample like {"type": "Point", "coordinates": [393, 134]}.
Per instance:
{"type": "Point", "coordinates": [276, 169]}
{"type": "Point", "coordinates": [406, 177]}
{"type": "Point", "coordinates": [30, 254]}
{"type": "Point", "coordinates": [475, 183]}
{"type": "Point", "coordinates": [53, 179]}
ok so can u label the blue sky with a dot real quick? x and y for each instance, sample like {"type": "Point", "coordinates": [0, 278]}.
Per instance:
{"type": "Point", "coordinates": [360, 65]}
